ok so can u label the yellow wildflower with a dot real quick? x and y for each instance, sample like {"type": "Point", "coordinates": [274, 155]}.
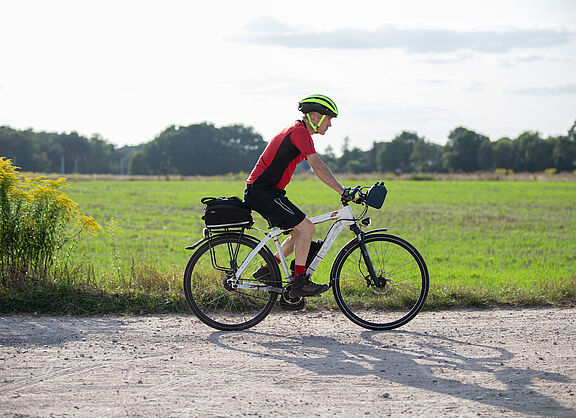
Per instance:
{"type": "Point", "coordinates": [89, 224]}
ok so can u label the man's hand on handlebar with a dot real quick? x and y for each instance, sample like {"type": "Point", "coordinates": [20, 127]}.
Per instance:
{"type": "Point", "coordinates": [349, 195]}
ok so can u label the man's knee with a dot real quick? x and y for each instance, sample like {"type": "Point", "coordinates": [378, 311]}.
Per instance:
{"type": "Point", "coordinates": [306, 227]}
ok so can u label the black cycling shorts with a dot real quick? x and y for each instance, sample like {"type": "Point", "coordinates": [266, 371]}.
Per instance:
{"type": "Point", "coordinates": [272, 204]}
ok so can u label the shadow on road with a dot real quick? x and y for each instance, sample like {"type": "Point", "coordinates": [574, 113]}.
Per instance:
{"type": "Point", "coordinates": [476, 372]}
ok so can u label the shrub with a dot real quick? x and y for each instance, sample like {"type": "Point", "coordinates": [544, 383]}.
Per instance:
{"type": "Point", "coordinates": [37, 220]}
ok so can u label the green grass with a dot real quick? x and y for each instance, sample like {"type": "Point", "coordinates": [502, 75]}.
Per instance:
{"type": "Point", "coordinates": [485, 242]}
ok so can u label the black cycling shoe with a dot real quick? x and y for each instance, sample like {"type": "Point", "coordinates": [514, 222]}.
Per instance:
{"type": "Point", "coordinates": [302, 286]}
{"type": "Point", "coordinates": [262, 274]}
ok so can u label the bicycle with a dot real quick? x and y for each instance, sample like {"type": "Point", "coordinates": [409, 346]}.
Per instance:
{"type": "Point", "coordinates": [380, 281]}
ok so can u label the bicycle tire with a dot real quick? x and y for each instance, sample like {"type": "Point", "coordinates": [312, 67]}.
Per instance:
{"type": "Point", "coordinates": [404, 282]}
{"type": "Point", "coordinates": [211, 298]}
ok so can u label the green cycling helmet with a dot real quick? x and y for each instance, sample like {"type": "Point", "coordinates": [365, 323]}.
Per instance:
{"type": "Point", "coordinates": [318, 103]}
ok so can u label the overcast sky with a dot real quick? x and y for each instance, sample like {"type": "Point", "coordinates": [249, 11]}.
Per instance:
{"type": "Point", "coordinates": [129, 69]}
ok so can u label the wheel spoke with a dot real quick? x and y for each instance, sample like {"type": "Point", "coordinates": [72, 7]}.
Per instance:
{"type": "Point", "coordinates": [211, 299]}
{"type": "Point", "coordinates": [398, 292]}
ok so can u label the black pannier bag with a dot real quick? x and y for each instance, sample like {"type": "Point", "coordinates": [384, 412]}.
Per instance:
{"type": "Point", "coordinates": [226, 212]}
{"type": "Point", "coordinates": [376, 195]}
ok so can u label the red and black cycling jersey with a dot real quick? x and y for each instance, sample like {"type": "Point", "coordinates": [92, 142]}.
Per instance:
{"type": "Point", "coordinates": [280, 158]}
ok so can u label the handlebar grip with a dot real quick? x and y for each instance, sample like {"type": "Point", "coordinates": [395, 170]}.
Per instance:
{"type": "Point", "coordinates": [349, 194]}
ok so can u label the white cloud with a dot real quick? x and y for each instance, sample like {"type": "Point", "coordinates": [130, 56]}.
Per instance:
{"type": "Point", "coordinates": [420, 40]}
{"type": "Point", "coordinates": [546, 90]}
{"type": "Point", "coordinates": [475, 87]}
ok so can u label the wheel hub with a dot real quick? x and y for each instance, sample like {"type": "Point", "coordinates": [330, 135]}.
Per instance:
{"type": "Point", "coordinates": [382, 285]}
{"type": "Point", "coordinates": [227, 281]}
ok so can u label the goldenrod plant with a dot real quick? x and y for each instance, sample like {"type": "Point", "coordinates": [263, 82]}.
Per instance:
{"type": "Point", "coordinates": [37, 220]}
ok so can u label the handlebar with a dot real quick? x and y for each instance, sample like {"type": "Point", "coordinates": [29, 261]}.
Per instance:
{"type": "Point", "coordinates": [373, 197]}
{"type": "Point", "coordinates": [349, 195]}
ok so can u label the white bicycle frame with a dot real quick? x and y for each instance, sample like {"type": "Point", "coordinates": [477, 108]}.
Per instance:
{"type": "Point", "coordinates": [343, 218]}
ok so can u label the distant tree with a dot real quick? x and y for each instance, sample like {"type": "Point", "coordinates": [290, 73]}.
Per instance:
{"type": "Point", "coordinates": [398, 155]}
{"type": "Point", "coordinates": [372, 163]}
{"type": "Point", "coordinates": [353, 161]}
{"type": "Point", "coordinates": [242, 147]}
{"type": "Point", "coordinates": [533, 153]}
{"type": "Point", "coordinates": [23, 148]}
{"type": "Point", "coordinates": [564, 150]}
{"type": "Point", "coordinates": [563, 153]}
{"type": "Point", "coordinates": [486, 156]}
{"type": "Point", "coordinates": [330, 158]}
{"type": "Point", "coordinates": [503, 153]}
{"type": "Point", "coordinates": [200, 149]}
{"type": "Point", "coordinates": [190, 150]}
{"type": "Point", "coordinates": [138, 163]}
{"type": "Point", "coordinates": [355, 167]}
{"type": "Point", "coordinates": [74, 145]}
{"type": "Point", "coordinates": [101, 157]}
{"type": "Point", "coordinates": [463, 150]}
{"type": "Point", "coordinates": [425, 156]}
{"type": "Point", "coordinates": [54, 149]}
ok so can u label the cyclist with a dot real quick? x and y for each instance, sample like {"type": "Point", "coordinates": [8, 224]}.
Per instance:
{"type": "Point", "coordinates": [265, 186]}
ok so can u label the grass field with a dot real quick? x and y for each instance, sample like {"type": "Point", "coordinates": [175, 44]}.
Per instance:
{"type": "Point", "coordinates": [485, 242]}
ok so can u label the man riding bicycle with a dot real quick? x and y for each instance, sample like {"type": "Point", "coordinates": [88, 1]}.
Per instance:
{"type": "Point", "coordinates": [265, 186]}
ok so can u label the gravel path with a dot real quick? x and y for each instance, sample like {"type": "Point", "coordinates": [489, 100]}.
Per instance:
{"type": "Point", "coordinates": [519, 362]}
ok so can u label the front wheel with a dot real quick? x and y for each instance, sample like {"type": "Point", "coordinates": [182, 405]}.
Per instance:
{"type": "Point", "coordinates": [394, 295]}
{"type": "Point", "coordinates": [215, 299]}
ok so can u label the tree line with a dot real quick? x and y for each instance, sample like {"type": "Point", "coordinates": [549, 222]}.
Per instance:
{"type": "Point", "coordinates": [48, 152]}
{"type": "Point", "coordinates": [203, 149]}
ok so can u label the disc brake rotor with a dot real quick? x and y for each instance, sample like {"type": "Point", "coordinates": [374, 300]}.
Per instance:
{"type": "Point", "coordinates": [383, 284]}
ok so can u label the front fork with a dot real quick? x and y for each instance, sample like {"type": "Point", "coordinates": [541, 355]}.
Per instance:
{"type": "Point", "coordinates": [374, 278]}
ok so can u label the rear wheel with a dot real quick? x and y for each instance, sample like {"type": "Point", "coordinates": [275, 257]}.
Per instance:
{"type": "Point", "coordinates": [214, 299]}
{"type": "Point", "coordinates": [398, 291]}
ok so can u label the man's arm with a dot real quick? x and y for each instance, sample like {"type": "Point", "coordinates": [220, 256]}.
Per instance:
{"type": "Point", "coordinates": [324, 173]}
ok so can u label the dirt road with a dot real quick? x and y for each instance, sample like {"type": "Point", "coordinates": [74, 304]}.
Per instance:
{"type": "Point", "coordinates": [518, 362]}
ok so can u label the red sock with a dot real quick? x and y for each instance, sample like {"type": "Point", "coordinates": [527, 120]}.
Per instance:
{"type": "Point", "coordinates": [298, 270]}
